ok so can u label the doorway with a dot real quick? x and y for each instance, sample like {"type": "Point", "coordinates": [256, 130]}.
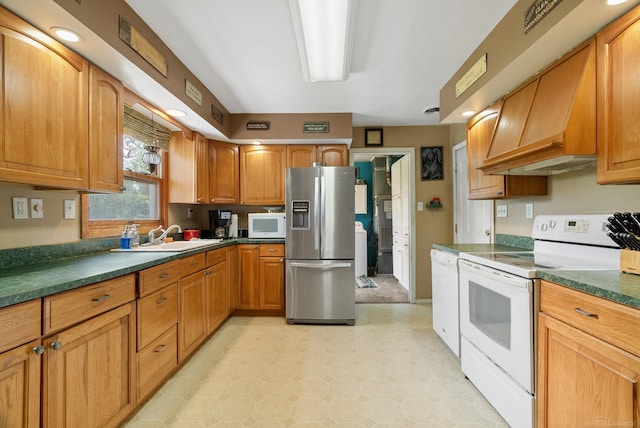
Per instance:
{"type": "Point", "coordinates": [472, 219]}
{"type": "Point", "coordinates": [356, 156]}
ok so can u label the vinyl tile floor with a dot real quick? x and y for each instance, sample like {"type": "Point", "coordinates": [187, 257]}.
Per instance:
{"type": "Point", "coordinates": [389, 370]}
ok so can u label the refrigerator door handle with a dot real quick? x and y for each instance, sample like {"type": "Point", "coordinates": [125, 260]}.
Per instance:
{"type": "Point", "coordinates": [316, 212]}
{"type": "Point", "coordinates": [321, 266]}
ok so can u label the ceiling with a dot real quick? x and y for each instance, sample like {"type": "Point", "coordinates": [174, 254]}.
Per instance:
{"type": "Point", "coordinates": [404, 51]}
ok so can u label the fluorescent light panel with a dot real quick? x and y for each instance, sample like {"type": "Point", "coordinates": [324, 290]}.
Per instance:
{"type": "Point", "coordinates": [324, 32]}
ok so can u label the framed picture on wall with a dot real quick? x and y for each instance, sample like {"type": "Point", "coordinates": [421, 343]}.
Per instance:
{"type": "Point", "coordinates": [431, 158]}
{"type": "Point", "coordinates": [373, 137]}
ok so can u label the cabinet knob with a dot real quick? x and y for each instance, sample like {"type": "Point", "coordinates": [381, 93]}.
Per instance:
{"type": "Point", "coordinates": [38, 350]}
{"type": "Point", "coordinates": [241, 202]}
{"type": "Point", "coordinates": [56, 345]}
{"type": "Point", "coordinates": [213, 199]}
{"type": "Point", "coordinates": [199, 200]}
{"type": "Point", "coordinates": [487, 232]}
{"type": "Point", "coordinates": [499, 193]}
{"type": "Point", "coordinates": [123, 188]}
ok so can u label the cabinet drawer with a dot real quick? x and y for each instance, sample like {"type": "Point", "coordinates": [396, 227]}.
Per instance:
{"type": "Point", "coordinates": [271, 250]}
{"type": "Point", "coordinates": [156, 313]}
{"type": "Point", "coordinates": [192, 264]}
{"type": "Point", "coordinates": [606, 320]}
{"type": "Point", "coordinates": [71, 307]}
{"type": "Point", "coordinates": [216, 256]}
{"type": "Point", "coordinates": [157, 361]}
{"type": "Point", "coordinates": [20, 324]}
{"type": "Point", "coordinates": [157, 277]}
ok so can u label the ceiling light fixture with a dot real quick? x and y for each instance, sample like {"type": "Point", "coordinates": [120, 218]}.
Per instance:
{"type": "Point", "coordinates": [468, 113]}
{"type": "Point", "coordinates": [175, 112]}
{"type": "Point", "coordinates": [66, 34]}
{"type": "Point", "coordinates": [324, 32]}
{"type": "Point", "coordinates": [615, 2]}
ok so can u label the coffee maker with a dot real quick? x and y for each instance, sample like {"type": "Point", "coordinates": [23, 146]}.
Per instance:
{"type": "Point", "coordinates": [219, 222]}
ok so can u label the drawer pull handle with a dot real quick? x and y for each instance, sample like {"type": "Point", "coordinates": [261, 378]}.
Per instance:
{"type": "Point", "coordinates": [161, 301]}
{"type": "Point", "coordinates": [56, 345]}
{"type": "Point", "coordinates": [38, 350]}
{"type": "Point", "coordinates": [160, 348]}
{"type": "Point", "coordinates": [164, 275]}
{"type": "Point", "coordinates": [101, 298]}
{"type": "Point", "coordinates": [271, 250]}
{"type": "Point", "coordinates": [585, 313]}
{"type": "Point", "coordinates": [194, 264]}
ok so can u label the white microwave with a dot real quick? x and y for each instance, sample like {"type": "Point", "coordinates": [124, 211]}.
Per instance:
{"type": "Point", "coordinates": [267, 225]}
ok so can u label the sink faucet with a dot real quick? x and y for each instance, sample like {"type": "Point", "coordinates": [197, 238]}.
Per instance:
{"type": "Point", "coordinates": [160, 239]}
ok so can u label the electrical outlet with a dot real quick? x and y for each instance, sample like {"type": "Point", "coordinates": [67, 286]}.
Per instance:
{"type": "Point", "coordinates": [37, 208]}
{"type": "Point", "coordinates": [69, 209]}
{"type": "Point", "coordinates": [528, 210]}
{"type": "Point", "coordinates": [501, 211]}
{"type": "Point", "coordinates": [189, 212]}
{"type": "Point", "coordinates": [20, 208]}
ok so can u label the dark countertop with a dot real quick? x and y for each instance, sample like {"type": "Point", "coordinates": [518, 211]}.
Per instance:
{"type": "Point", "coordinates": [23, 283]}
{"type": "Point", "coordinates": [612, 285]}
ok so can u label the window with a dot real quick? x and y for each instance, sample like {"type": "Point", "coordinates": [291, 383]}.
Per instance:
{"type": "Point", "coordinates": [144, 199]}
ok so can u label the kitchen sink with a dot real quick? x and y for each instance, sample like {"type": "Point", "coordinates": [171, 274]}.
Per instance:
{"type": "Point", "coordinates": [172, 246]}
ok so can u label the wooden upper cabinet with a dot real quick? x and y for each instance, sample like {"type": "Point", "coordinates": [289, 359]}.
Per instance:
{"type": "Point", "coordinates": [301, 156]}
{"type": "Point", "coordinates": [188, 169]}
{"type": "Point", "coordinates": [304, 155]}
{"type": "Point", "coordinates": [44, 112]}
{"type": "Point", "coordinates": [618, 94]}
{"type": "Point", "coordinates": [224, 166]}
{"type": "Point", "coordinates": [262, 174]}
{"type": "Point", "coordinates": [550, 116]}
{"type": "Point", "coordinates": [481, 186]}
{"type": "Point", "coordinates": [106, 111]}
{"type": "Point", "coordinates": [333, 154]}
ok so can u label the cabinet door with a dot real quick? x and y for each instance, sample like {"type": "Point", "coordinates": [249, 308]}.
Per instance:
{"type": "Point", "coordinates": [582, 380]}
{"type": "Point", "coordinates": [232, 278]}
{"type": "Point", "coordinates": [192, 316]}
{"type": "Point", "coordinates": [618, 110]}
{"type": "Point", "coordinates": [106, 110]}
{"type": "Point", "coordinates": [333, 155]}
{"type": "Point", "coordinates": [216, 295]}
{"type": "Point", "coordinates": [188, 169]}
{"type": "Point", "coordinates": [262, 174]}
{"type": "Point", "coordinates": [89, 373]}
{"type": "Point", "coordinates": [248, 277]}
{"type": "Point", "coordinates": [272, 283]}
{"type": "Point", "coordinates": [20, 387]}
{"type": "Point", "coordinates": [224, 172]}
{"type": "Point", "coordinates": [479, 132]}
{"type": "Point", "coordinates": [44, 113]}
{"type": "Point", "coordinates": [301, 156]}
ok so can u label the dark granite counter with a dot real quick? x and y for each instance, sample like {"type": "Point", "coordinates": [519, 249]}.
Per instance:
{"type": "Point", "coordinates": [39, 279]}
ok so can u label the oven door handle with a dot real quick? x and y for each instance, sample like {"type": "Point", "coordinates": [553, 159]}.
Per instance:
{"type": "Point", "coordinates": [495, 274]}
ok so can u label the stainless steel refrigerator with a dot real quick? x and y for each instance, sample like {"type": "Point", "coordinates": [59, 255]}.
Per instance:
{"type": "Point", "coordinates": [320, 245]}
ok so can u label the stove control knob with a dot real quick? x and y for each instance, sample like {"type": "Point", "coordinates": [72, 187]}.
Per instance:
{"type": "Point", "coordinates": [552, 224]}
{"type": "Point", "coordinates": [543, 227]}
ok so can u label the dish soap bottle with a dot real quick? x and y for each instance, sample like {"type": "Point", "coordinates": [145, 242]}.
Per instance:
{"type": "Point", "coordinates": [125, 239]}
{"type": "Point", "coordinates": [135, 236]}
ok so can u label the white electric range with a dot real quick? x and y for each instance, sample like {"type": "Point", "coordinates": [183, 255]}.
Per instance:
{"type": "Point", "coordinates": [499, 302]}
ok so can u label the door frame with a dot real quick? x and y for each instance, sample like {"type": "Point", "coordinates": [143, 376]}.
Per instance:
{"type": "Point", "coordinates": [400, 151]}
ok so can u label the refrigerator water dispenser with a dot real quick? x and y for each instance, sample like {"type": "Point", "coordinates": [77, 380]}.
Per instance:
{"type": "Point", "coordinates": [300, 214]}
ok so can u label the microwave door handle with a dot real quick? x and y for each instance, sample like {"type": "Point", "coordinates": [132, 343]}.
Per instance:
{"type": "Point", "coordinates": [316, 212]}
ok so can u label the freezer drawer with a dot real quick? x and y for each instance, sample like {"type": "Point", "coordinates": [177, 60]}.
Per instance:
{"type": "Point", "coordinates": [320, 291]}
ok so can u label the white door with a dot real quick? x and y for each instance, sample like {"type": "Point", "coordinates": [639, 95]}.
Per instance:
{"type": "Point", "coordinates": [472, 220]}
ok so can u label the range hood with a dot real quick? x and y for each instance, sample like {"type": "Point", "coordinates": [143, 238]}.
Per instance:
{"type": "Point", "coordinates": [548, 125]}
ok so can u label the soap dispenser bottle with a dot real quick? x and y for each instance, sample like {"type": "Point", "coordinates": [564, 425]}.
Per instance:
{"type": "Point", "coordinates": [125, 239]}
{"type": "Point", "coordinates": [135, 236]}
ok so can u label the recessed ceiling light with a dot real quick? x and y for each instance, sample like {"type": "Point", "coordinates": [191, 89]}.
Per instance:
{"type": "Point", "coordinates": [256, 143]}
{"type": "Point", "coordinates": [615, 2]}
{"type": "Point", "coordinates": [468, 113]}
{"type": "Point", "coordinates": [175, 113]}
{"type": "Point", "coordinates": [66, 34]}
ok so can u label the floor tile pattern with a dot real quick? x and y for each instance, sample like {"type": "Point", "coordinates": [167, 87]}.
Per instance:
{"type": "Point", "coordinates": [389, 370]}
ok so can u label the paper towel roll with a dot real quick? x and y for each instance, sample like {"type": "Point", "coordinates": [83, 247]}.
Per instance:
{"type": "Point", "coordinates": [233, 228]}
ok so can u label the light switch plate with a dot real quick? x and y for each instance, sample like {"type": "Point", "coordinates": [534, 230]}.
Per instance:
{"type": "Point", "coordinates": [528, 210]}
{"type": "Point", "coordinates": [69, 209]}
{"type": "Point", "coordinates": [37, 209]}
{"type": "Point", "coordinates": [420, 206]}
{"type": "Point", "coordinates": [20, 210]}
{"type": "Point", "coordinates": [501, 211]}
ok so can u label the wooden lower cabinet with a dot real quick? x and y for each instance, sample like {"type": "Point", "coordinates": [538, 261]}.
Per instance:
{"type": "Point", "coordinates": [89, 371]}
{"type": "Point", "coordinates": [157, 361]}
{"type": "Point", "coordinates": [260, 277]}
{"type": "Point", "coordinates": [216, 292]}
{"type": "Point", "coordinates": [192, 315]}
{"type": "Point", "coordinates": [20, 386]}
{"type": "Point", "coordinates": [588, 370]}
